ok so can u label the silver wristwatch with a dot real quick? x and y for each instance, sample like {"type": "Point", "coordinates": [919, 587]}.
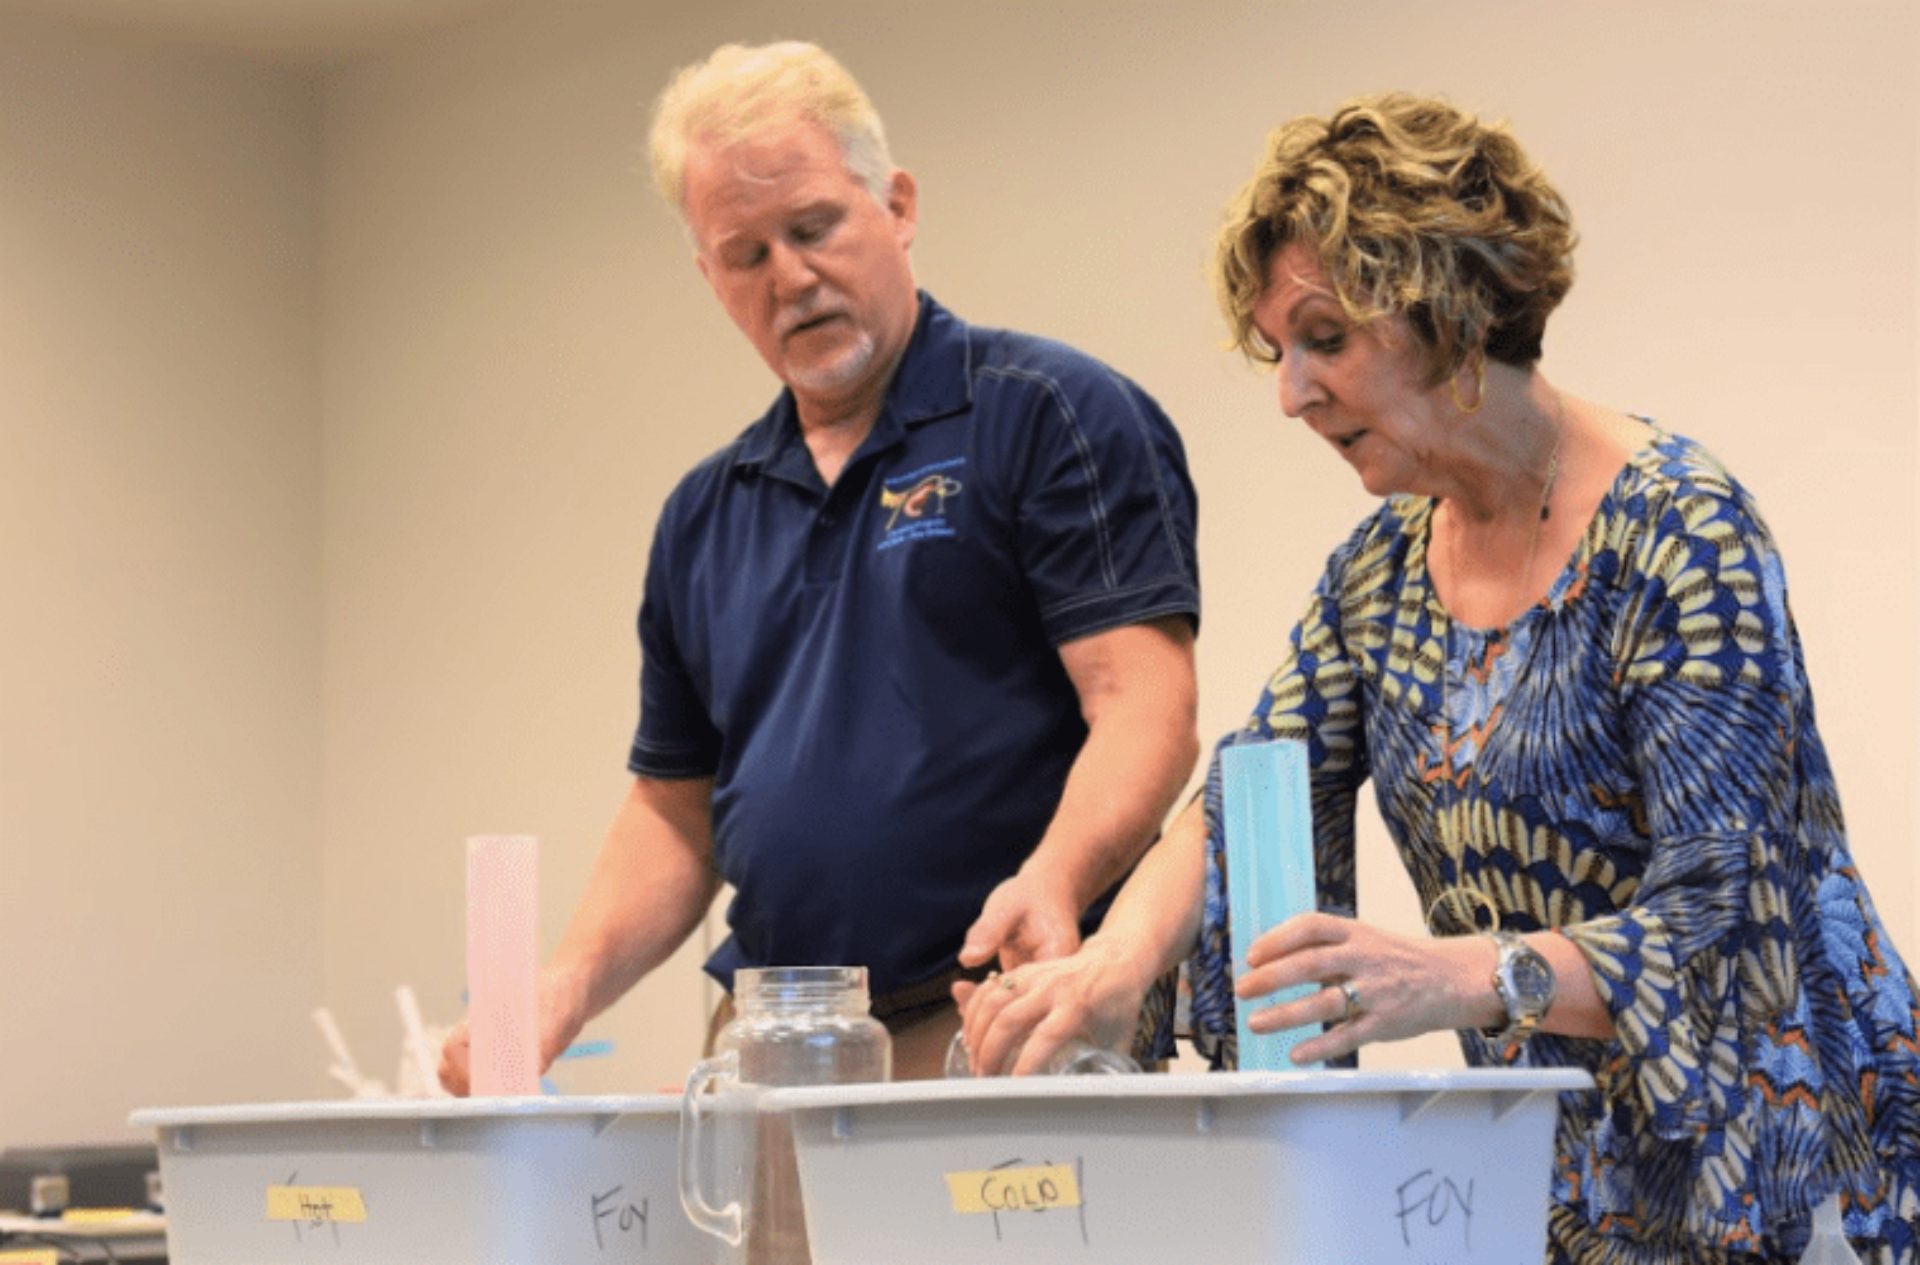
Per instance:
{"type": "Point", "coordinates": [1524, 980]}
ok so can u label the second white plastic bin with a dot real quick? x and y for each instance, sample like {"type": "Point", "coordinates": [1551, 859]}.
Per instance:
{"type": "Point", "coordinates": [1307, 1168]}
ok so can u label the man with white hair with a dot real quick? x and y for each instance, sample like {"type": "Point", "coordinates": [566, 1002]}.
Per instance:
{"type": "Point", "coordinates": [917, 646]}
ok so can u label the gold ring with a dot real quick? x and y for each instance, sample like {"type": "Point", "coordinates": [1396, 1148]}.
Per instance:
{"type": "Point", "coordinates": [1352, 1011]}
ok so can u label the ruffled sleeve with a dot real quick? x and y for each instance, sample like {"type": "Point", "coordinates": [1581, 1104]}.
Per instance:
{"type": "Point", "coordinates": [1702, 669]}
{"type": "Point", "coordinates": [1702, 962]}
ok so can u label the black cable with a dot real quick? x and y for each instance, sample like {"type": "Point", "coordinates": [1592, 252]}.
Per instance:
{"type": "Point", "coordinates": [60, 1247]}
{"type": "Point", "coordinates": [64, 1245]}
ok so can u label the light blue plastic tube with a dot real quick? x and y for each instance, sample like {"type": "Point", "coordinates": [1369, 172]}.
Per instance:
{"type": "Point", "coordinates": [1268, 817]}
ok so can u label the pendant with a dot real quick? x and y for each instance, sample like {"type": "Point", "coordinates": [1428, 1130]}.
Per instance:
{"type": "Point", "coordinates": [1462, 911]}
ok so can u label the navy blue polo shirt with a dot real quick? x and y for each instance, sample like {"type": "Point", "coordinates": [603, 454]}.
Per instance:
{"type": "Point", "coordinates": [870, 672]}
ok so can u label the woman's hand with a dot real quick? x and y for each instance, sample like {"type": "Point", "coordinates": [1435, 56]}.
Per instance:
{"type": "Point", "coordinates": [1017, 1021]}
{"type": "Point", "coordinates": [1372, 985]}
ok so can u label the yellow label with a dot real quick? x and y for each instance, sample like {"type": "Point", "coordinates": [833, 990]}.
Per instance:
{"type": "Point", "coordinates": [316, 1205]}
{"type": "Point", "coordinates": [1028, 1189]}
{"type": "Point", "coordinates": [95, 1216]}
{"type": "Point", "coordinates": [30, 1256]}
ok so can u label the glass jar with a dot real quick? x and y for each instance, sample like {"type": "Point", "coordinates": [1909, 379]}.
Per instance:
{"type": "Point", "coordinates": [805, 1025]}
{"type": "Point", "coordinates": [1074, 1058]}
{"type": "Point", "coordinates": [793, 1025]}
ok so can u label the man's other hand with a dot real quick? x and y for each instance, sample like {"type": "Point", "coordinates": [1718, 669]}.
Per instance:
{"type": "Point", "coordinates": [1024, 920]}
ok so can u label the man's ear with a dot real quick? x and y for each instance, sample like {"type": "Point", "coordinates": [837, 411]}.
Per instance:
{"type": "Point", "coordinates": [705, 266]}
{"type": "Point", "coordinates": [903, 203]}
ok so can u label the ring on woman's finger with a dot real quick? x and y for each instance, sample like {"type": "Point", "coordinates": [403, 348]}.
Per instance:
{"type": "Point", "coordinates": [1352, 1011]}
{"type": "Point", "coordinates": [1009, 983]}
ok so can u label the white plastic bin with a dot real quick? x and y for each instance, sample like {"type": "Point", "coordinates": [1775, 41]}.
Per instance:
{"type": "Point", "coordinates": [1287, 1168]}
{"type": "Point", "coordinates": [500, 1181]}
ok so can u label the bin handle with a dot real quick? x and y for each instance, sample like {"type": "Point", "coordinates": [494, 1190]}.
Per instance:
{"type": "Point", "coordinates": [725, 1222]}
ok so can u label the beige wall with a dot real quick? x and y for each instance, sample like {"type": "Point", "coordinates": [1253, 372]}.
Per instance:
{"type": "Point", "coordinates": [522, 360]}
{"type": "Point", "coordinates": [160, 844]}
{"type": "Point", "coordinates": [422, 443]}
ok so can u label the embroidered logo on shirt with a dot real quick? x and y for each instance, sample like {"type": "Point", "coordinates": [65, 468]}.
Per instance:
{"type": "Point", "coordinates": [916, 503]}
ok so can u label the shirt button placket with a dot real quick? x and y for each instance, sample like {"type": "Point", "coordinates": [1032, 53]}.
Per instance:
{"type": "Point", "coordinates": [826, 544]}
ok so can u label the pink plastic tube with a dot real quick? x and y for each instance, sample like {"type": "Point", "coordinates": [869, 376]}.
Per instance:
{"type": "Point", "coordinates": [503, 952]}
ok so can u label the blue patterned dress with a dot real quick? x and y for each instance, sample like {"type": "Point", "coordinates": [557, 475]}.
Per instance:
{"type": "Point", "coordinates": [1633, 762]}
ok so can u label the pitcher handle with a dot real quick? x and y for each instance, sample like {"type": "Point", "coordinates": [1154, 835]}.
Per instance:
{"type": "Point", "coordinates": [724, 1222]}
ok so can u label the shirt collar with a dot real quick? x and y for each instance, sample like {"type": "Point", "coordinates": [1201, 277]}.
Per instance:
{"type": "Point", "coordinates": [934, 380]}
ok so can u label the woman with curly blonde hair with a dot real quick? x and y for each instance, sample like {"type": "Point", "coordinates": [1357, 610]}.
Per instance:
{"type": "Point", "coordinates": [1562, 652]}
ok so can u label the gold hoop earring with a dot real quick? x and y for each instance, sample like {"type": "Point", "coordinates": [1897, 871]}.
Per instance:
{"type": "Point", "coordinates": [1480, 387]}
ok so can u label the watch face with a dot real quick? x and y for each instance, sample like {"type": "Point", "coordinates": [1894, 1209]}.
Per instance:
{"type": "Point", "coordinates": [1532, 977]}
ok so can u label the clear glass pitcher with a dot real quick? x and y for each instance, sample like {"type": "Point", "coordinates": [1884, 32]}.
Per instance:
{"type": "Point", "coordinates": [794, 1025]}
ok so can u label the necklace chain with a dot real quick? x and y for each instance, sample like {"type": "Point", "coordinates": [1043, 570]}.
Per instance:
{"type": "Point", "coordinates": [1458, 908]}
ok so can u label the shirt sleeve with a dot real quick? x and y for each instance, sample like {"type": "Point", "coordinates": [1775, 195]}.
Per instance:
{"type": "Point", "coordinates": [1702, 971]}
{"type": "Point", "coordinates": [675, 736]}
{"type": "Point", "coordinates": [1315, 697]}
{"type": "Point", "coordinates": [1105, 526]}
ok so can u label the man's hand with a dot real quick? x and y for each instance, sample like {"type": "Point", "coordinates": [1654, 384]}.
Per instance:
{"type": "Point", "coordinates": [1024, 920]}
{"type": "Point", "coordinates": [650, 886]}
{"type": "Point", "coordinates": [563, 1013]}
